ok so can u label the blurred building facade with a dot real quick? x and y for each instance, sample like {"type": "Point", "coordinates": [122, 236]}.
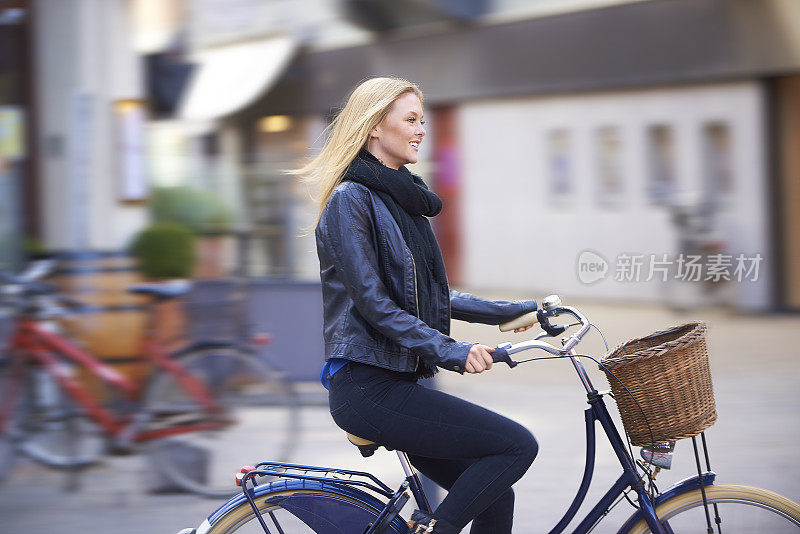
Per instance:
{"type": "Point", "coordinates": [563, 135]}
{"type": "Point", "coordinates": [78, 77]}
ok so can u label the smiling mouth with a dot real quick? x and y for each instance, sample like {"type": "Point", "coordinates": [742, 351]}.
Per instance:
{"type": "Point", "coordinates": [415, 144]}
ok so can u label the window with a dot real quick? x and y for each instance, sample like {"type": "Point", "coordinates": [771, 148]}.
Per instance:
{"type": "Point", "coordinates": [559, 164]}
{"type": "Point", "coordinates": [717, 161]}
{"type": "Point", "coordinates": [662, 181]}
{"type": "Point", "coordinates": [609, 165]}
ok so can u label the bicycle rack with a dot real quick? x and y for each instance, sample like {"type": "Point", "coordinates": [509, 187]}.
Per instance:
{"type": "Point", "coordinates": [312, 473]}
{"type": "Point", "coordinates": [328, 474]}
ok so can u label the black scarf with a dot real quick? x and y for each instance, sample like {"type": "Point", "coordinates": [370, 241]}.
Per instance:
{"type": "Point", "coordinates": [411, 203]}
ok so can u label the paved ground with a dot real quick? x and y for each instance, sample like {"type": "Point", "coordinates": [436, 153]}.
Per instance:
{"type": "Point", "coordinates": [755, 364]}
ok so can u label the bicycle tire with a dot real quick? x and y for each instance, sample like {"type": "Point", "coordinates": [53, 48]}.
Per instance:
{"type": "Point", "coordinates": [742, 509]}
{"type": "Point", "coordinates": [48, 427]}
{"type": "Point", "coordinates": [237, 516]}
{"type": "Point", "coordinates": [8, 419]}
{"type": "Point", "coordinates": [260, 400]}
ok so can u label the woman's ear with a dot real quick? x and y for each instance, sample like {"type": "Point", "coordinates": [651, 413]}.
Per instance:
{"type": "Point", "coordinates": [375, 132]}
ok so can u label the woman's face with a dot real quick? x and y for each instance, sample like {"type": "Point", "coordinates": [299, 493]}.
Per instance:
{"type": "Point", "coordinates": [395, 141]}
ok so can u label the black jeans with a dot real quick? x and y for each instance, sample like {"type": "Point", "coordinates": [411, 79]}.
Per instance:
{"type": "Point", "coordinates": [472, 452]}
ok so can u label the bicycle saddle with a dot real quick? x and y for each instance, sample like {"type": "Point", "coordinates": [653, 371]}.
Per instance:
{"type": "Point", "coordinates": [163, 290]}
{"type": "Point", "coordinates": [365, 446]}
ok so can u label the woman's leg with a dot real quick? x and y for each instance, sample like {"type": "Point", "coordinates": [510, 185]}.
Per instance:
{"type": "Point", "coordinates": [498, 517]}
{"type": "Point", "coordinates": [379, 405]}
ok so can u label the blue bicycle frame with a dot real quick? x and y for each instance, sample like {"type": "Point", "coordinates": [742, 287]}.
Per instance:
{"type": "Point", "coordinates": [630, 478]}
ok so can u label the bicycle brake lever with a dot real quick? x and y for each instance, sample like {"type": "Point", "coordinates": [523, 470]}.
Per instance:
{"type": "Point", "coordinates": [551, 329]}
{"type": "Point", "coordinates": [500, 354]}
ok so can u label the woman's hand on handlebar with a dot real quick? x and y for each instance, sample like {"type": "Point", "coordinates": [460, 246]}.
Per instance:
{"type": "Point", "coordinates": [479, 359]}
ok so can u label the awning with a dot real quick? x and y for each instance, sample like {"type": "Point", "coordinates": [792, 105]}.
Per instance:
{"type": "Point", "coordinates": [228, 78]}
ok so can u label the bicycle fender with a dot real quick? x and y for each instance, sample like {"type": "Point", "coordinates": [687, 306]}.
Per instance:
{"type": "Point", "coordinates": [317, 510]}
{"type": "Point", "coordinates": [687, 484]}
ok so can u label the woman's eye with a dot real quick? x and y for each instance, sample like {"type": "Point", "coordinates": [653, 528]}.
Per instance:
{"type": "Point", "coordinates": [412, 119]}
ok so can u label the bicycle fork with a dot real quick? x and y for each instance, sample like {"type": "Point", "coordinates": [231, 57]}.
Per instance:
{"type": "Point", "coordinates": [630, 477]}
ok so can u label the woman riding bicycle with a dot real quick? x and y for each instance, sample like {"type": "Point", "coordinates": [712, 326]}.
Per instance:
{"type": "Point", "coordinates": [387, 311]}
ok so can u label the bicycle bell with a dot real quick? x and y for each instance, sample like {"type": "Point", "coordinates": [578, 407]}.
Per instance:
{"type": "Point", "coordinates": [551, 302]}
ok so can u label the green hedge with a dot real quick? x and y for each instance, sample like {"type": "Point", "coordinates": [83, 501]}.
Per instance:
{"type": "Point", "coordinates": [165, 250]}
{"type": "Point", "coordinates": [196, 209]}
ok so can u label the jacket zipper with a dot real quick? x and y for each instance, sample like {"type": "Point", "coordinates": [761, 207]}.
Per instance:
{"type": "Point", "coordinates": [416, 301]}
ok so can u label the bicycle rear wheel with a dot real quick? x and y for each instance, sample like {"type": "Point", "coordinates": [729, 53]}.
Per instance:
{"type": "Point", "coordinates": [743, 509]}
{"type": "Point", "coordinates": [259, 419]}
{"type": "Point", "coordinates": [300, 507]}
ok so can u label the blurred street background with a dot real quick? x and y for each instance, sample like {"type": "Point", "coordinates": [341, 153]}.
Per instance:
{"type": "Point", "coordinates": [640, 158]}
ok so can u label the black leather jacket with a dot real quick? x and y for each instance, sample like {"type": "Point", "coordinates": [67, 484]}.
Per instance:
{"type": "Point", "coordinates": [364, 317]}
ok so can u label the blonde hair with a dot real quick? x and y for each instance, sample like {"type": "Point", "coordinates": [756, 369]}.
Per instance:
{"type": "Point", "coordinates": [366, 107]}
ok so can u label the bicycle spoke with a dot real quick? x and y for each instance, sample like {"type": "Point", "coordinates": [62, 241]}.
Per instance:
{"type": "Point", "coordinates": [275, 520]}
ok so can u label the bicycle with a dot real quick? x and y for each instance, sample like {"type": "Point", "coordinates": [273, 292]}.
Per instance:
{"type": "Point", "coordinates": [196, 411]}
{"type": "Point", "coordinates": [328, 500]}
{"type": "Point", "coordinates": [688, 281]}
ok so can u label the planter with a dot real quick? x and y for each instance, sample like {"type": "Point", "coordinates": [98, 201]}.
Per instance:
{"type": "Point", "coordinates": [112, 323]}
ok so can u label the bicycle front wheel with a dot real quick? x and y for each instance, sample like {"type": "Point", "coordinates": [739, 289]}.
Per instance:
{"type": "Point", "coordinates": [742, 509]}
{"type": "Point", "coordinates": [258, 419]}
{"type": "Point", "coordinates": [49, 427]}
{"type": "Point", "coordinates": [8, 416]}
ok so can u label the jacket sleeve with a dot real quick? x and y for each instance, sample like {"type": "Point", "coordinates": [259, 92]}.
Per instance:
{"type": "Point", "coordinates": [466, 307]}
{"type": "Point", "coordinates": [347, 229]}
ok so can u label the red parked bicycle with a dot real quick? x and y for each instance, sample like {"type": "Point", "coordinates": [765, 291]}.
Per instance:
{"type": "Point", "coordinates": [197, 412]}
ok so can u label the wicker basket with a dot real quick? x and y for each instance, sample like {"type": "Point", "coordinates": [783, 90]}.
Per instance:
{"type": "Point", "coordinates": [668, 374]}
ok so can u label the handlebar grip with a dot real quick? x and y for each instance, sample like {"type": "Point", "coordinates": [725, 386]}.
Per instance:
{"type": "Point", "coordinates": [520, 322]}
{"type": "Point", "coordinates": [501, 355]}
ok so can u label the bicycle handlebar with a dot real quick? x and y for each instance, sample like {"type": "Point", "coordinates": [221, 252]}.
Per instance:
{"type": "Point", "coordinates": [551, 308]}
{"type": "Point", "coordinates": [35, 271]}
{"type": "Point", "coordinates": [25, 287]}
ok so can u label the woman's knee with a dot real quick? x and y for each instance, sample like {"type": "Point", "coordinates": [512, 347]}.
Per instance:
{"type": "Point", "coordinates": [525, 445]}
{"type": "Point", "coordinates": [531, 448]}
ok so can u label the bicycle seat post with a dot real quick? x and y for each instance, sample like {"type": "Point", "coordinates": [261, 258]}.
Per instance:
{"type": "Point", "coordinates": [404, 461]}
{"type": "Point", "coordinates": [414, 483]}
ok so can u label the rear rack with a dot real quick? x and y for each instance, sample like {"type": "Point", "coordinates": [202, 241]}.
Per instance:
{"type": "Point", "coordinates": [308, 472]}
{"type": "Point", "coordinates": [321, 474]}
